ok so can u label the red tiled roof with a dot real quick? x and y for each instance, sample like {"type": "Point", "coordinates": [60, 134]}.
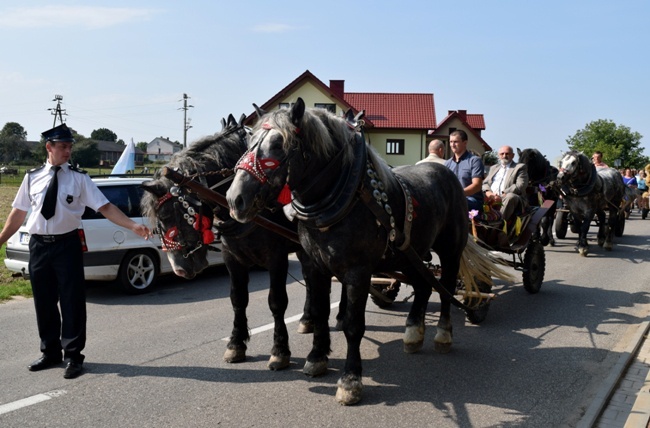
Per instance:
{"type": "Point", "coordinates": [476, 121]}
{"type": "Point", "coordinates": [411, 111]}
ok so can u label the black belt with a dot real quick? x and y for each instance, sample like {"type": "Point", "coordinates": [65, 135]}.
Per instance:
{"type": "Point", "coordinates": [53, 238]}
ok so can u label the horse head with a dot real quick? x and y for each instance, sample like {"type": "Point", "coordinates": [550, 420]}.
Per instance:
{"type": "Point", "coordinates": [573, 165]}
{"type": "Point", "coordinates": [287, 147]}
{"type": "Point", "coordinates": [183, 222]}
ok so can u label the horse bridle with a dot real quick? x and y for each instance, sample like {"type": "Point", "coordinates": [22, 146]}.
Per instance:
{"type": "Point", "coordinates": [193, 217]}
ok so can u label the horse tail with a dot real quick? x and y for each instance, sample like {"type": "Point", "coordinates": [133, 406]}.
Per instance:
{"type": "Point", "coordinates": [478, 265]}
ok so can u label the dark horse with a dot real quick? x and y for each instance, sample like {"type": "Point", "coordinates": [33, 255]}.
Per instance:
{"type": "Point", "coordinates": [541, 175]}
{"type": "Point", "coordinates": [185, 224]}
{"type": "Point", "coordinates": [356, 216]}
{"type": "Point", "coordinates": [588, 191]}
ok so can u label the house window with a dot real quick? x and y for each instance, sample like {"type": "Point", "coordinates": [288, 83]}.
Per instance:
{"type": "Point", "coordinates": [395, 147]}
{"type": "Point", "coordinates": [286, 105]}
{"type": "Point", "coordinates": [329, 107]}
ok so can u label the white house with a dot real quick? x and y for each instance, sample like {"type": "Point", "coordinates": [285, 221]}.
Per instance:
{"type": "Point", "coordinates": [162, 149]}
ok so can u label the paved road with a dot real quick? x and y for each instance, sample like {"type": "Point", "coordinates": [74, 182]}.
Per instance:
{"type": "Point", "coordinates": [155, 360]}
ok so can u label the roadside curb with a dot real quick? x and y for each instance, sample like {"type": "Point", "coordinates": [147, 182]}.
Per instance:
{"type": "Point", "coordinates": [590, 417]}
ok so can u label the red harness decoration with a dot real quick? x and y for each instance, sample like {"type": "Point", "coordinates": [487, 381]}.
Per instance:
{"type": "Point", "coordinates": [164, 199]}
{"type": "Point", "coordinates": [204, 226]}
{"type": "Point", "coordinates": [255, 167]}
{"type": "Point", "coordinates": [169, 240]}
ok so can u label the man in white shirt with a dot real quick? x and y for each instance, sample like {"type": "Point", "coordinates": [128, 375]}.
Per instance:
{"type": "Point", "coordinates": [57, 194]}
{"type": "Point", "coordinates": [508, 180]}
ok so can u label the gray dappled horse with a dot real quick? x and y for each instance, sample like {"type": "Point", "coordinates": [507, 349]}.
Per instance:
{"type": "Point", "coordinates": [588, 191]}
{"type": "Point", "coordinates": [356, 216]}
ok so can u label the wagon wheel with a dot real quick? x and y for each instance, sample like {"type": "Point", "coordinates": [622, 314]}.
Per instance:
{"type": "Point", "coordinates": [384, 290]}
{"type": "Point", "coordinates": [561, 224]}
{"type": "Point", "coordinates": [533, 267]}
{"type": "Point", "coordinates": [478, 315]}
{"type": "Point", "coordinates": [620, 226]}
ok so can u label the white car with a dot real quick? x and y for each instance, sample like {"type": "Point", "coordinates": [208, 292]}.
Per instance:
{"type": "Point", "coordinates": [113, 252]}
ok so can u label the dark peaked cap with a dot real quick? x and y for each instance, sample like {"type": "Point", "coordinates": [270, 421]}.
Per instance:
{"type": "Point", "coordinates": [59, 134]}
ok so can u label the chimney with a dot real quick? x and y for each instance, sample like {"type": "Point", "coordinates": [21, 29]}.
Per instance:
{"type": "Point", "coordinates": [463, 115]}
{"type": "Point", "coordinates": [338, 87]}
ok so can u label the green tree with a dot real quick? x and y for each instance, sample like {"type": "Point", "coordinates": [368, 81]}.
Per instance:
{"type": "Point", "coordinates": [12, 142]}
{"type": "Point", "coordinates": [614, 141]}
{"type": "Point", "coordinates": [103, 134]}
{"type": "Point", "coordinates": [490, 158]}
{"type": "Point", "coordinates": [86, 154]}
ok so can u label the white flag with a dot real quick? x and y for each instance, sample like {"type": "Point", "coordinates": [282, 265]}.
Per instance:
{"type": "Point", "coordinates": [126, 162]}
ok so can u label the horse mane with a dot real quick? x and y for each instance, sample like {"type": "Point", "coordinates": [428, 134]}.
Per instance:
{"type": "Point", "coordinates": [220, 150]}
{"type": "Point", "coordinates": [320, 127]}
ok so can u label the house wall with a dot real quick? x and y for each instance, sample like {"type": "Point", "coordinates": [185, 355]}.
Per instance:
{"type": "Point", "coordinates": [413, 141]}
{"type": "Point", "coordinates": [311, 95]}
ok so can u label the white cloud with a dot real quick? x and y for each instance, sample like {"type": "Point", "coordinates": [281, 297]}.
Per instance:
{"type": "Point", "coordinates": [66, 16]}
{"type": "Point", "coordinates": [273, 28]}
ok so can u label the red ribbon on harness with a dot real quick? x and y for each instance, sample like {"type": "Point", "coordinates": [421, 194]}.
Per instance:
{"type": "Point", "coordinates": [204, 226]}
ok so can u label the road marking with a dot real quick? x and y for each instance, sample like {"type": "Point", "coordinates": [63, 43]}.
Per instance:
{"type": "Point", "coordinates": [272, 325]}
{"type": "Point", "coordinates": [34, 399]}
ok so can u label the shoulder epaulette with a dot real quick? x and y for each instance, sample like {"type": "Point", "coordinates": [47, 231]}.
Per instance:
{"type": "Point", "coordinates": [38, 168]}
{"type": "Point", "coordinates": [79, 170]}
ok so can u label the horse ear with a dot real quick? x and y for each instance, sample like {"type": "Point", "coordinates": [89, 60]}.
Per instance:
{"type": "Point", "coordinates": [155, 187]}
{"type": "Point", "coordinates": [258, 110]}
{"type": "Point", "coordinates": [518, 152]}
{"type": "Point", "coordinates": [231, 120]}
{"type": "Point", "coordinates": [223, 123]}
{"type": "Point", "coordinates": [297, 111]}
{"type": "Point", "coordinates": [242, 118]}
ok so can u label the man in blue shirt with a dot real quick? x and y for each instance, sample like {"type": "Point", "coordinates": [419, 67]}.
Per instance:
{"type": "Point", "coordinates": [468, 168]}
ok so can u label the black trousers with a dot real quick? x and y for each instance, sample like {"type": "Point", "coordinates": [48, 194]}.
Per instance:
{"type": "Point", "coordinates": [57, 277]}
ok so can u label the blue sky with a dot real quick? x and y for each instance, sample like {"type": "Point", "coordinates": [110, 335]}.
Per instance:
{"type": "Point", "coordinates": [538, 70]}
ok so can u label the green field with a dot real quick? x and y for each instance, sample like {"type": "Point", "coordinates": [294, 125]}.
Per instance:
{"type": "Point", "coordinates": [9, 286]}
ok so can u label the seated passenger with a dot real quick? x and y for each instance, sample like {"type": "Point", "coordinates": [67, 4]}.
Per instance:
{"type": "Point", "coordinates": [507, 180]}
{"type": "Point", "coordinates": [468, 168]}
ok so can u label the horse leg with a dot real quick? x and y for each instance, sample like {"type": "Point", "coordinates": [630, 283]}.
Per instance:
{"type": "Point", "coordinates": [450, 265]}
{"type": "Point", "coordinates": [319, 296]}
{"type": "Point", "coordinates": [611, 226]}
{"type": "Point", "coordinates": [305, 325]}
{"type": "Point", "coordinates": [278, 302]}
{"type": "Point", "coordinates": [414, 334]}
{"type": "Point", "coordinates": [602, 228]}
{"type": "Point", "coordinates": [583, 246]}
{"type": "Point", "coordinates": [350, 385]}
{"type": "Point", "coordinates": [236, 348]}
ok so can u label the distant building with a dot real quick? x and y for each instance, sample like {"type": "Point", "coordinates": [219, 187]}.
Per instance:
{"type": "Point", "coordinates": [162, 149]}
{"type": "Point", "coordinates": [110, 152]}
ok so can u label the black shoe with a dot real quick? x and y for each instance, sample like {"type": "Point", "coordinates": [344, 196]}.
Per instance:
{"type": "Point", "coordinates": [45, 362]}
{"type": "Point", "coordinates": [72, 370]}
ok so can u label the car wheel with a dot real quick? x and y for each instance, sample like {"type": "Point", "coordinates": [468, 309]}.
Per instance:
{"type": "Point", "coordinates": [139, 271]}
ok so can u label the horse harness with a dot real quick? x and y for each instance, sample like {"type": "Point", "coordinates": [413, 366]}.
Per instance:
{"type": "Point", "coordinates": [350, 183]}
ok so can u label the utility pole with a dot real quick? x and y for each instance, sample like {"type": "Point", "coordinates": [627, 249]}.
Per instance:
{"type": "Point", "coordinates": [186, 121]}
{"type": "Point", "coordinates": [58, 111]}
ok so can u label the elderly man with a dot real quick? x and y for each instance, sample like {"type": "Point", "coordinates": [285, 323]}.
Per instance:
{"type": "Point", "coordinates": [508, 180]}
{"type": "Point", "coordinates": [436, 153]}
{"type": "Point", "coordinates": [468, 168]}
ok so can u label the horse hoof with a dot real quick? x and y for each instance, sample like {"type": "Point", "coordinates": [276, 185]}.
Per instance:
{"type": "Point", "coordinates": [413, 339]}
{"type": "Point", "coordinates": [413, 347]}
{"type": "Point", "coordinates": [608, 247]}
{"type": "Point", "coordinates": [348, 392]}
{"type": "Point", "coordinates": [339, 325]}
{"type": "Point", "coordinates": [601, 243]}
{"type": "Point", "coordinates": [234, 355]}
{"type": "Point", "coordinates": [442, 347]}
{"type": "Point", "coordinates": [314, 369]}
{"type": "Point", "coordinates": [305, 327]}
{"type": "Point", "coordinates": [583, 251]}
{"type": "Point", "coordinates": [278, 362]}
